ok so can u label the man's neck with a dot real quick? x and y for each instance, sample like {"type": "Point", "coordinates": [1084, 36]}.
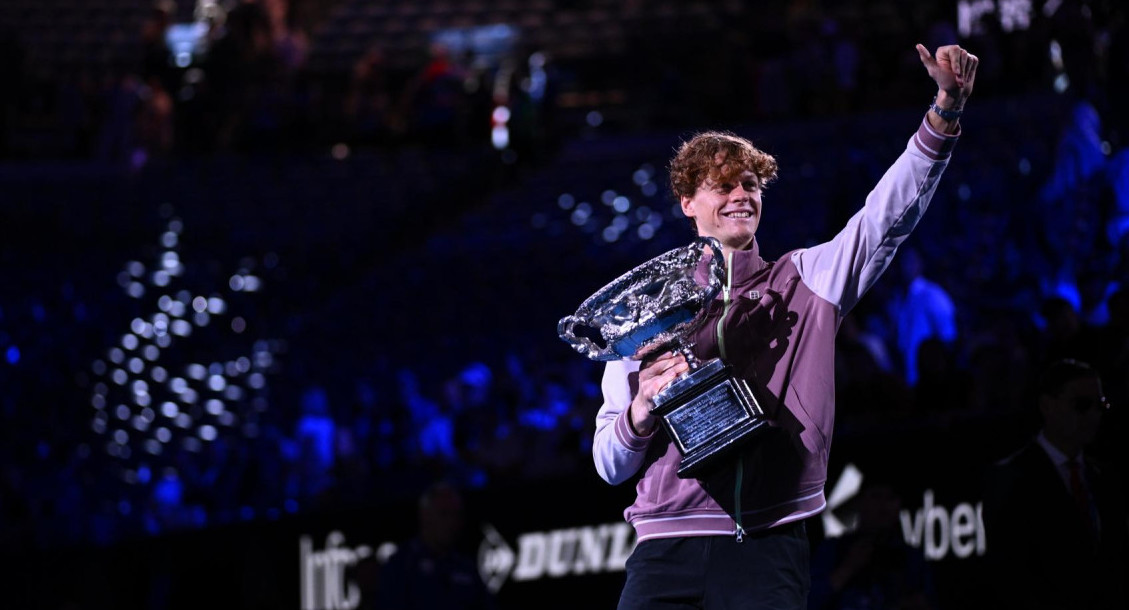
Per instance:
{"type": "Point", "coordinates": [1070, 449]}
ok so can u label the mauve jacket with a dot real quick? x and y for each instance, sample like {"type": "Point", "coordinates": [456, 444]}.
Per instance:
{"type": "Point", "coordinates": [775, 322]}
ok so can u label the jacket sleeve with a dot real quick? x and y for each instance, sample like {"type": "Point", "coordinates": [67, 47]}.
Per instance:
{"type": "Point", "coordinates": [617, 450]}
{"type": "Point", "coordinates": [842, 270]}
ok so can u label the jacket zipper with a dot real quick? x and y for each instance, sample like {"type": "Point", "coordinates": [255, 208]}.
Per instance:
{"type": "Point", "coordinates": [725, 290]}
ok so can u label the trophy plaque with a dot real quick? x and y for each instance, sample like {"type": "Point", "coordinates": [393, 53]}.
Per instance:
{"type": "Point", "coordinates": [708, 412]}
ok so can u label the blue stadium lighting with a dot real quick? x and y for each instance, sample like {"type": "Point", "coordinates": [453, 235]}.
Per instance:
{"type": "Point", "coordinates": [12, 354]}
{"type": "Point", "coordinates": [169, 409]}
{"type": "Point", "coordinates": [566, 201]}
{"type": "Point", "coordinates": [140, 327]}
{"type": "Point", "coordinates": [181, 328]}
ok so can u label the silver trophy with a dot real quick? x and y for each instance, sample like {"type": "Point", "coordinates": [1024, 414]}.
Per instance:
{"type": "Point", "coordinates": [707, 412]}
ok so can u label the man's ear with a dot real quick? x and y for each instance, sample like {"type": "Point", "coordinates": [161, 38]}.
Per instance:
{"type": "Point", "coordinates": [684, 201]}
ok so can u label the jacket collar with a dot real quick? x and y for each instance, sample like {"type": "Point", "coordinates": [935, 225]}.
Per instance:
{"type": "Point", "coordinates": [747, 262]}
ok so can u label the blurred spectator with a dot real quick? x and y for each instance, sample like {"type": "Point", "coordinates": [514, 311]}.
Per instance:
{"type": "Point", "coordinates": [872, 567]}
{"type": "Point", "coordinates": [316, 435]}
{"type": "Point", "coordinates": [922, 310]}
{"type": "Point", "coordinates": [1055, 516]}
{"type": "Point", "coordinates": [432, 570]}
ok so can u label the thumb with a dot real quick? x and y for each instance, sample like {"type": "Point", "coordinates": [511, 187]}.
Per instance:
{"type": "Point", "coordinates": [926, 58]}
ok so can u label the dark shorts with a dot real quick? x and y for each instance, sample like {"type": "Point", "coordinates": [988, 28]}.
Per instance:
{"type": "Point", "coordinates": [767, 570]}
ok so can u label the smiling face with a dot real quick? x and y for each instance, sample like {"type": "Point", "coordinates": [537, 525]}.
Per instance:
{"type": "Point", "coordinates": [718, 178]}
{"type": "Point", "coordinates": [729, 211]}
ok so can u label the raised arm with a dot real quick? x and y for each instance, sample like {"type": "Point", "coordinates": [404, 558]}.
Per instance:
{"type": "Point", "coordinates": [843, 269]}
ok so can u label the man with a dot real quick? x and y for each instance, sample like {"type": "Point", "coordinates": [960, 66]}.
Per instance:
{"type": "Point", "coordinates": [430, 571]}
{"type": "Point", "coordinates": [735, 538]}
{"type": "Point", "coordinates": [1055, 518]}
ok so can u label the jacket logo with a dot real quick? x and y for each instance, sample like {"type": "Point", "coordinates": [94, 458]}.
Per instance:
{"type": "Point", "coordinates": [754, 294]}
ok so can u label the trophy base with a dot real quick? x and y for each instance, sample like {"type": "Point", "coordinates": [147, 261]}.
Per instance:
{"type": "Point", "coordinates": [708, 413]}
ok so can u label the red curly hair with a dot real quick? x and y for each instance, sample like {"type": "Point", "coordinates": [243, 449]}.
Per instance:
{"type": "Point", "coordinates": [719, 157]}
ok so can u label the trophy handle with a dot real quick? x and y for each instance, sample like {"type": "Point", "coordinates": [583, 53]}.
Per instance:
{"type": "Point", "coordinates": [585, 337]}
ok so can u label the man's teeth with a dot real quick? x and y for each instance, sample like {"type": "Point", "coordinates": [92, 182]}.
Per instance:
{"type": "Point", "coordinates": [739, 214]}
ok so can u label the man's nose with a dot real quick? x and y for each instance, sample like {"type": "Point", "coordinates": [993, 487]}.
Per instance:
{"type": "Point", "coordinates": [739, 193]}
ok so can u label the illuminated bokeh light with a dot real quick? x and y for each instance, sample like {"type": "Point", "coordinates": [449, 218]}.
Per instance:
{"type": "Point", "coordinates": [159, 400]}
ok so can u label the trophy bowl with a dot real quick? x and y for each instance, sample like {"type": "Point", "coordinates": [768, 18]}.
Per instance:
{"type": "Point", "coordinates": [648, 308]}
